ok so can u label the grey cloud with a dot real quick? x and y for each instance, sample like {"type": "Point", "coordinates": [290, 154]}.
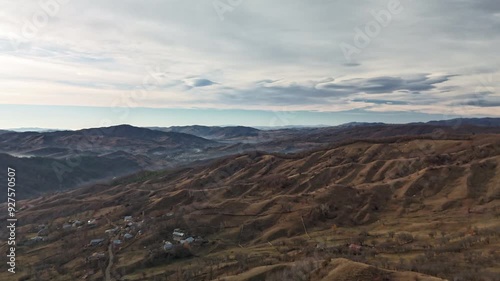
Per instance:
{"type": "Point", "coordinates": [202, 83]}
{"type": "Point", "coordinates": [479, 99]}
{"type": "Point", "coordinates": [490, 6]}
{"type": "Point", "coordinates": [351, 64]}
{"type": "Point", "coordinates": [396, 102]}
{"type": "Point", "coordinates": [266, 81]}
{"type": "Point", "coordinates": [486, 103]}
{"type": "Point", "coordinates": [331, 91]}
{"type": "Point", "coordinates": [386, 84]}
{"type": "Point", "coordinates": [482, 103]}
{"type": "Point", "coordinates": [285, 39]}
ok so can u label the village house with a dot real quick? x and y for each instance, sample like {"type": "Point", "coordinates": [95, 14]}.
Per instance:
{"type": "Point", "coordinates": [67, 226]}
{"type": "Point", "coordinates": [178, 235]}
{"type": "Point", "coordinates": [34, 240]}
{"type": "Point", "coordinates": [131, 226]}
{"type": "Point", "coordinates": [167, 246]}
{"type": "Point", "coordinates": [77, 223]}
{"type": "Point", "coordinates": [128, 218]}
{"type": "Point", "coordinates": [37, 239]}
{"type": "Point", "coordinates": [200, 240]}
{"type": "Point", "coordinates": [112, 231]}
{"type": "Point", "coordinates": [128, 236]}
{"type": "Point", "coordinates": [96, 242]}
{"type": "Point", "coordinates": [189, 240]}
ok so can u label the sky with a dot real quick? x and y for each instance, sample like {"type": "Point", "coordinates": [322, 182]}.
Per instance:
{"type": "Point", "coordinates": [73, 64]}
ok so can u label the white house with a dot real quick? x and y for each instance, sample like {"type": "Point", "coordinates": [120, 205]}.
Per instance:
{"type": "Point", "coordinates": [178, 235]}
{"type": "Point", "coordinates": [187, 241]}
{"type": "Point", "coordinates": [37, 239]}
{"type": "Point", "coordinates": [112, 231]}
{"type": "Point", "coordinates": [96, 242]}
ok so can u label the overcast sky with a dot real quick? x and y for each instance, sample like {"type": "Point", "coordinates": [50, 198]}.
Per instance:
{"type": "Point", "coordinates": [421, 58]}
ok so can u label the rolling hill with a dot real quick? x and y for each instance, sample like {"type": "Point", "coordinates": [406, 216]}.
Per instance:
{"type": "Point", "coordinates": [214, 133]}
{"type": "Point", "coordinates": [60, 160]}
{"type": "Point", "coordinates": [156, 150]}
{"type": "Point", "coordinates": [101, 140]}
{"type": "Point", "coordinates": [362, 210]}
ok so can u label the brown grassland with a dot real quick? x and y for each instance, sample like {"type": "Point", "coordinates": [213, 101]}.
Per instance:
{"type": "Point", "coordinates": [399, 209]}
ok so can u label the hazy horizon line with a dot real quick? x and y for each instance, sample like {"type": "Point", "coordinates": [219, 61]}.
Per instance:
{"type": "Point", "coordinates": [152, 127]}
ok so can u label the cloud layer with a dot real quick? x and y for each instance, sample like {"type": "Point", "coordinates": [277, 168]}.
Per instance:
{"type": "Point", "coordinates": [433, 57]}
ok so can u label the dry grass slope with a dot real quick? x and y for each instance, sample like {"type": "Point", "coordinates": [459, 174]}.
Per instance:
{"type": "Point", "coordinates": [412, 205]}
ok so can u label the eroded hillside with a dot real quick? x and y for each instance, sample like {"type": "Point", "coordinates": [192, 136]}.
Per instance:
{"type": "Point", "coordinates": [423, 205]}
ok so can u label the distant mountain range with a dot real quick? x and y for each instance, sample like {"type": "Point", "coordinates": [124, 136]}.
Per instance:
{"type": "Point", "coordinates": [41, 130]}
{"type": "Point", "coordinates": [225, 132]}
{"type": "Point", "coordinates": [482, 122]}
{"type": "Point", "coordinates": [139, 149]}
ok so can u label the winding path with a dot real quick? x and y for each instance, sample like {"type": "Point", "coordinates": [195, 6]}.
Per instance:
{"type": "Point", "coordinates": [111, 255]}
{"type": "Point", "coordinates": [110, 264]}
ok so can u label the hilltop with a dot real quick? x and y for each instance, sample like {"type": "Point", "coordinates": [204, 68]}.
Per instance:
{"type": "Point", "coordinates": [214, 132]}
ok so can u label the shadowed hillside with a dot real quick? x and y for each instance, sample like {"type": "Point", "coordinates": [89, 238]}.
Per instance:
{"type": "Point", "coordinates": [37, 175]}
